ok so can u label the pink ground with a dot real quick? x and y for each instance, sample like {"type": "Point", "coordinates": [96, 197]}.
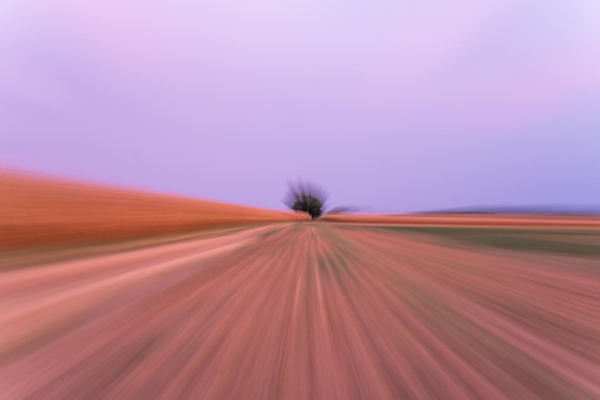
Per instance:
{"type": "Point", "coordinates": [302, 311]}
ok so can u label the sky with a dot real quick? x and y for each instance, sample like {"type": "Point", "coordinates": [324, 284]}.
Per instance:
{"type": "Point", "coordinates": [391, 106]}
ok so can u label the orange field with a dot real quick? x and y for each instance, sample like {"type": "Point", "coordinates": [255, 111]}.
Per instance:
{"type": "Point", "coordinates": [41, 212]}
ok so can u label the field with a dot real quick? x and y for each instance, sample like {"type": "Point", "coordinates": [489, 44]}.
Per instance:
{"type": "Point", "coordinates": [475, 219]}
{"type": "Point", "coordinates": [36, 212]}
{"type": "Point", "coordinates": [309, 310]}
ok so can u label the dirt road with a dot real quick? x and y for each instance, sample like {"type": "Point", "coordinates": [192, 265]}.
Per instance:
{"type": "Point", "coordinates": [303, 311]}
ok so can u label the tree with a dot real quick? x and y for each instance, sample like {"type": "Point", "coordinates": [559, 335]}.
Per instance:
{"type": "Point", "coordinates": [306, 197]}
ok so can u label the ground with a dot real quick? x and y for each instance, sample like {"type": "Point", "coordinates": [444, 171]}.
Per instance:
{"type": "Point", "coordinates": [307, 311]}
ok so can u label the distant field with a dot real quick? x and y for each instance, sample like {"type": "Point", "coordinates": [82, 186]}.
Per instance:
{"type": "Point", "coordinates": [37, 212]}
{"type": "Point", "coordinates": [484, 220]}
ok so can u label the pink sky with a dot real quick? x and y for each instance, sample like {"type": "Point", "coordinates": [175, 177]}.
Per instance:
{"type": "Point", "coordinates": [394, 106]}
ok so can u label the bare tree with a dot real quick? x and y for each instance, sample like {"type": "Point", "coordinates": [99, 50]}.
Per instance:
{"type": "Point", "coordinates": [306, 197]}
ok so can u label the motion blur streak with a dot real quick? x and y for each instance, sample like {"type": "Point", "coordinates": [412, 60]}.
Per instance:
{"type": "Point", "coordinates": [305, 311]}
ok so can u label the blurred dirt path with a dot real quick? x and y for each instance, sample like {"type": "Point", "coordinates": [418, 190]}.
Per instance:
{"type": "Point", "coordinates": [302, 311]}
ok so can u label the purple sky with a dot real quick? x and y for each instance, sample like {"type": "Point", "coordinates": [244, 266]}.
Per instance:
{"type": "Point", "coordinates": [390, 105]}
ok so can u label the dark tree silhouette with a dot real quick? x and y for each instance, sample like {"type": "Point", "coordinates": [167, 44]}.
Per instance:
{"type": "Point", "coordinates": [306, 197]}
